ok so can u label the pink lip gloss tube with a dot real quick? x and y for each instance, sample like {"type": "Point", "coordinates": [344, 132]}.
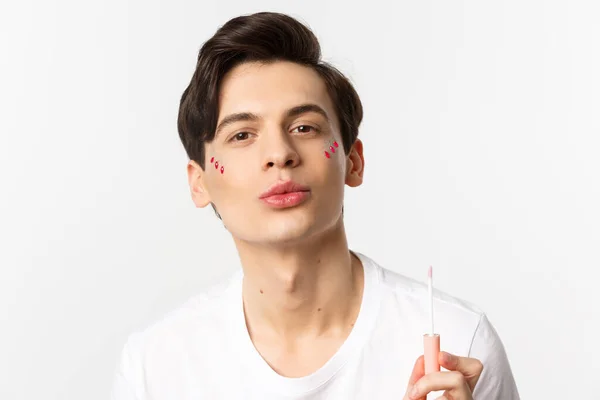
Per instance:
{"type": "Point", "coordinates": [431, 344]}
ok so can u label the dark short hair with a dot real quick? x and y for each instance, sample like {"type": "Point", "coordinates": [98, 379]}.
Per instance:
{"type": "Point", "coordinates": [260, 37]}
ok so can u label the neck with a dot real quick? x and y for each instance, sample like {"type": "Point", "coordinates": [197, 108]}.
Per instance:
{"type": "Point", "coordinates": [301, 290]}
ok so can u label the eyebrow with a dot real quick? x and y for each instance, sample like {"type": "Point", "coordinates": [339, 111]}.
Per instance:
{"type": "Point", "coordinates": [292, 112]}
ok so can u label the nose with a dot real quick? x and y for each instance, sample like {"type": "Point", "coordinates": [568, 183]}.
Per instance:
{"type": "Point", "coordinates": [280, 152]}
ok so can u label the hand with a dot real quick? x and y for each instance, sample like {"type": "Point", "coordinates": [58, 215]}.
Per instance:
{"type": "Point", "coordinates": [458, 382]}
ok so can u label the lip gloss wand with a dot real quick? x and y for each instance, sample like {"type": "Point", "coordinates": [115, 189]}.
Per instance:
{"type": "Point", "coordinates": [431, 340]}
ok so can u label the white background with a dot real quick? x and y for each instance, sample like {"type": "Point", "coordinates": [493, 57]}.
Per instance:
{"type": "Point", "coordinates": [481, 136]}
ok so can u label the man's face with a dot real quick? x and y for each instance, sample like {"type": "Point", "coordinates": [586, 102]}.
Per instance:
{"type": "Point", "coordinates": [271, 140]}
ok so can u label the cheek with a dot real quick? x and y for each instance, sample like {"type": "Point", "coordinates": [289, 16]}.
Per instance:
{"type": "Point", "coordinates": [217, 165]}
{"type": "Point", "coordinates": [335, 158]}
{"type": "Point", "coordinates": [331, 148]}
{"type": "Point", "coordinates": [230, 179]}
{"type": "Point", "coordinates": [323, 165]}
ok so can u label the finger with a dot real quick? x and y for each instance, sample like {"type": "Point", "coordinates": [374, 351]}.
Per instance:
{"type": "Point", "coordinates": [417, 373]}
{"type": "Point", "coordinates": [471, 368]}
{"type": "Point", "coordinates": [450, 381]}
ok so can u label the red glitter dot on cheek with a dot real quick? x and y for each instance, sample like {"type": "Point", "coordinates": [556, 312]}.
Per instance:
{"type": "Point", "coordinates": [335, 144]}
{"type": "Point", "coordinates": [217, 165]}
{"type": "Point", "coordinates": [327, 155]}
{"type": "Point", "coordinates": [222, 169]}
{"type": "Point", "coordinates": [212, 160]}
{"type": "Point", "coordinates": [332, 149]}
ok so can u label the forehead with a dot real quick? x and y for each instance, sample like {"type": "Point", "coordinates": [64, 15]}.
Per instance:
{"type": "Point", "coordinates": [270, 89]}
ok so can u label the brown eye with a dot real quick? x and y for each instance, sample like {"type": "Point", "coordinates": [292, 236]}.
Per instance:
{"type": "Point", "coordinates": [240, 136]}
{"type": "Point", "coordinates": [305, 129]}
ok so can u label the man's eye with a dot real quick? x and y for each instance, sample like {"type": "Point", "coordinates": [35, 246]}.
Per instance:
{"type": "Point", "coordinates": [305, 129]}
{"type": "Point", "coordinates": [238, 137]}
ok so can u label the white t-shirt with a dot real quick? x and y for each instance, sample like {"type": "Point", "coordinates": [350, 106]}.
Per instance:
{"type": "Point", "coordinates": [202, 350]}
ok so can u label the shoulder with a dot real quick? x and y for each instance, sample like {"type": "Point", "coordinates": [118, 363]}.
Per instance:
{"type": "Point", "coordinates": [405, 300]}
{"type": "Point", "coordinates": [415, 293]}
{"type": "Point", "coordinates": [464, 328]}
{"type": "Point", "coordinates": [157, 354]}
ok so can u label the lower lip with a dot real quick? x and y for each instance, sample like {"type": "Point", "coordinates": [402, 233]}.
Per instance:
{"type": "Point", "coordinates": [286, 200]}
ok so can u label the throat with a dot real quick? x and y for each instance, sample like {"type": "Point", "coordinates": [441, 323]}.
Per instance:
{"type": "Point", "coordinates": [298, 325]}
{"type": "Point", "coordinates": [302, 357]}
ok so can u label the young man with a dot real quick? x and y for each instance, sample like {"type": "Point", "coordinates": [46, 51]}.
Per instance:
{"type": "Point", "coordinates": [271, 133]}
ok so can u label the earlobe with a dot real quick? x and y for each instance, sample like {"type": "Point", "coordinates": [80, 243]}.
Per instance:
{"type": "Point", "coordinates": [355, 165]}
{"type": "Point", "coordinates": [200, 195]}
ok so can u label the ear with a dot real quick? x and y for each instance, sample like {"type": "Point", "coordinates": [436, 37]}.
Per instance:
{"type": "Point", "coordinates": [355, 165]}
{"type": "Point", "coordinates": [200, 195]}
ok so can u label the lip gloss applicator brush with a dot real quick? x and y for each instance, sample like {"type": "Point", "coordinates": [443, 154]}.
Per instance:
{"type": "Point", "coordinates": [431, 340]}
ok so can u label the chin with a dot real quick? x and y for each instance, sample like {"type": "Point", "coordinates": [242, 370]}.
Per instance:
{"type": "Point", "coordinates": [288, 228]}
{"type": "Point", "coordinates": [279, 228]}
